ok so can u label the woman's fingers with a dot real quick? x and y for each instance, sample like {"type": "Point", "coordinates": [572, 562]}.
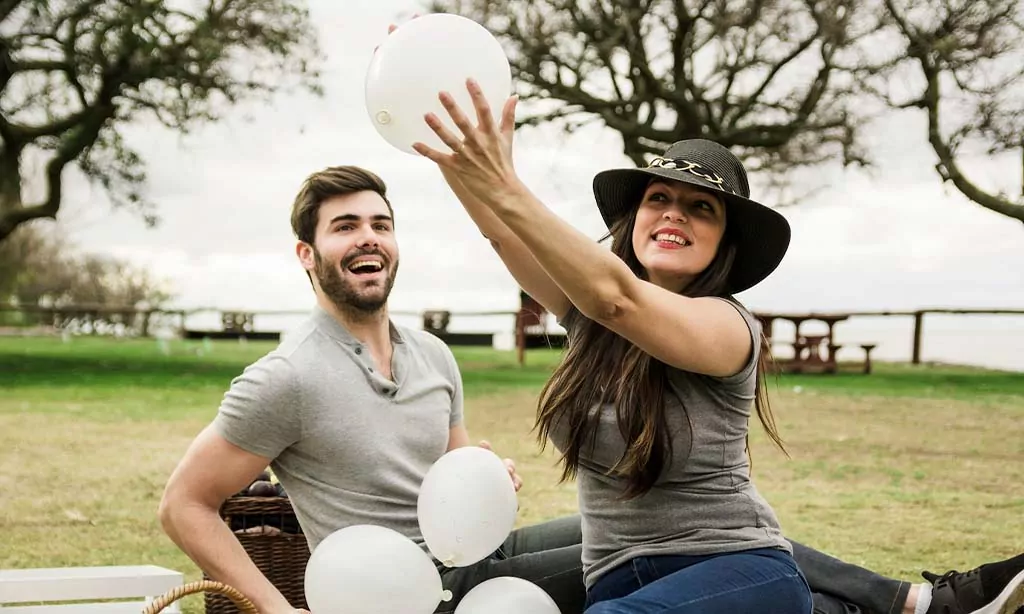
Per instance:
{"type": "Point", "coordinates": [447, 136]}
{"type": "Point", "coordinates": [508, 116]}
{"type": "Point", "coordinates": [483, 109]}
{"type": "Point", "coordinates": [435, 156]}
{"type": "Point", "coordinates": [458, 116]}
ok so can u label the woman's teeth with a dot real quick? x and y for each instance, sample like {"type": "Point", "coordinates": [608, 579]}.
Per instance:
{"type": "Point", "coordinates": [671, 238]}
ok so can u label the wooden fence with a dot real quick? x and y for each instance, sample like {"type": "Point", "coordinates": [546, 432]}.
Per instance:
{"type": "Point", "coordinates": [91, 319]}
{"type": "Point", "coordinates": [527, 324]}
{"type": "Point", "coordinates": [919, 315]}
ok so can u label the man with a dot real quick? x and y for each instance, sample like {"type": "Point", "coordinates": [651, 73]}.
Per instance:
{"type": "Point", "coordinates": [352, 410]}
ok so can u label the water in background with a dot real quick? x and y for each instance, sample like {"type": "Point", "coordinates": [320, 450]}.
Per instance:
{"type": "Point", "coordinates": [993, 341]}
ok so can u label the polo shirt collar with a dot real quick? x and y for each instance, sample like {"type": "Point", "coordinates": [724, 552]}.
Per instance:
{"type": "Point", "coordinates": [325, 321]}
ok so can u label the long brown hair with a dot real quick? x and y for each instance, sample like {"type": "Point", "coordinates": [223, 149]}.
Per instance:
{"type": "Point", "coordinates": [600, 367]}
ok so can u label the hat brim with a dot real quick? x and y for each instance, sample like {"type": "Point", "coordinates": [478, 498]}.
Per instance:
{"type": "Point", "coordinates": [762, 234]}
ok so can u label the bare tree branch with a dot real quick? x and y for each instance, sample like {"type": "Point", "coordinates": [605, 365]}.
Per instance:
{"type": "Point", "coordinates": [7, 7]}
{"type": "Point", "coordinates": [785, 84]}
{"type": "Point", "coordinates": [961, 48]}
{"type": "Point", "coordinates": [41, 267]}
{"type": "Point", "coordinates": [657, 71]}
{"type": "Point", "coordinates": [948, 167]}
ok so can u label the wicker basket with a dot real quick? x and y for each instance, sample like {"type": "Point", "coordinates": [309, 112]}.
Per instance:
{"type": "Point", "coordinates": [280, 553]}
{"type": "Point", "coordinates": [210, 587]}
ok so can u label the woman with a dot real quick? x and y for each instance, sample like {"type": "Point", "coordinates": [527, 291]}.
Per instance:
{"type": "Point", "coordinates": [650, 406]}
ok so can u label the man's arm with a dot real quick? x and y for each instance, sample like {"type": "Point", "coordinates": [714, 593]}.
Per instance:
{"type": "Point", "coordinates": [458, 437]}
{"type": "Point", "coordinates": [211, 471]}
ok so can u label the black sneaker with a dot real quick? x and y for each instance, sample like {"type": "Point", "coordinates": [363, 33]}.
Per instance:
{"type": "Point", "coordinates": [971, 592]}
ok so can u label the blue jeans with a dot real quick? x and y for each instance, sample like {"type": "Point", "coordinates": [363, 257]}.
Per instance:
{"type": "Point", "coordinates": [547, 554]}
{"type": "Point", "coordinates": [761, 581]}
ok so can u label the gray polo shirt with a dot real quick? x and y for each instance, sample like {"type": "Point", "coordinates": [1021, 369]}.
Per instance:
{"type": "Point", "coordinates": [702, 504]}
{"type": "Point", "coordinates": [348, 445]}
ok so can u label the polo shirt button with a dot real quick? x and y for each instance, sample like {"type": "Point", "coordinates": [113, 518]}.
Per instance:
{"type": "Point", "coordinates": [359, 350]}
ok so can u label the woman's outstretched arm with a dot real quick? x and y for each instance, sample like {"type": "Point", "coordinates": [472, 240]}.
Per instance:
{"type": "Point", "coordinates": [704, 335]}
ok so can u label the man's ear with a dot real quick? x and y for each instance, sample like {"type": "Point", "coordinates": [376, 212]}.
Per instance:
{"type": "Point", "coordinates": [305, 253]}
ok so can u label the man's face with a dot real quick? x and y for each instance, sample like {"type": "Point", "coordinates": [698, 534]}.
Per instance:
{"type": "Point", "coordinates": [354, 256]}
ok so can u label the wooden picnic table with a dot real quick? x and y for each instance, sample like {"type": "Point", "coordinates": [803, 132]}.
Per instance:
{"type": "Point", "coordinates": [811, 353]}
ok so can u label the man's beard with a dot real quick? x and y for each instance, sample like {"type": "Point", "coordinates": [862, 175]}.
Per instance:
{"type": "Point", "coordinates": [344, 294]}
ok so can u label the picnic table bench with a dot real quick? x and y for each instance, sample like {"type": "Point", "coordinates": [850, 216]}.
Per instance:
{"type": "Point", "coordinates": [89, 586]}
{"type": "Point", "coordinates": [812, 353]}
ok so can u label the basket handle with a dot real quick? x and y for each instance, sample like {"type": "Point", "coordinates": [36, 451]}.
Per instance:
{"type": "Point", "coordinates": [241, 602]}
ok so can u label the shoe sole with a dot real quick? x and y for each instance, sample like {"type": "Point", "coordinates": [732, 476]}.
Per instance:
{"type": "Point", "coordinates": [1008, 601]}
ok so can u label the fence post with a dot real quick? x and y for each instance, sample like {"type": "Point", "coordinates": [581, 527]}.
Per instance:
{"type": "Point", "coordinates": [918, 324]}
{"type": "Point", "coordinates": [520, 338]}
{"type": "Point", "coordinates": [144, 329]}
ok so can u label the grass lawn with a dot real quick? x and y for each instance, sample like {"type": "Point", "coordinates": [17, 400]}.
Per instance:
{"type": "Point", "coordinates": [910, 468]}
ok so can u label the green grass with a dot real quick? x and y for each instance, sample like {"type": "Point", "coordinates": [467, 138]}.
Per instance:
{"type": "Point", "coordinates": [927, 381]}
{"type": "Point", "coordinates": [90, 372]}
{"type": "Point", "coordinates": [908, 468]}
{"type": "Point", "coordinates": [97, 368]}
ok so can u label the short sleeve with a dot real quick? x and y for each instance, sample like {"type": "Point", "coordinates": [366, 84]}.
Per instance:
{"type": "Point", "coordinates": [749, 371]}
{"type": "Point", "coordinates": [261, 411]}
{"type": "Point", "coordinates": [456, 417]}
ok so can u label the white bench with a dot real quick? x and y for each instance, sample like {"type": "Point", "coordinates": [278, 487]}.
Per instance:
{"type": "Point", "coordinates": [87, 585]}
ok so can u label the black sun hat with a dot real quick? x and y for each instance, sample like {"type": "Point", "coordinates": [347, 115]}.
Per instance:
{"type": "Point", "coordinates": [762, 234]}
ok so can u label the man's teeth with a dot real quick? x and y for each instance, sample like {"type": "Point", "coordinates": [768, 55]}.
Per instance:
{"type": "Point", "coordinates": [369, 265]}
{"type": "Point", "coordinates": [671, 238]}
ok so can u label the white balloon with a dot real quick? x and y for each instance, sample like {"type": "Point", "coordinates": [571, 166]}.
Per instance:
{"type": "Point", "coordinates": [368, 569]}
{"type": "Point", "coordinates": [467, 506]}
{"type": "Point", "coordinates": [422, 58]}
{"type": "Point", "coordinates": [507, 595]}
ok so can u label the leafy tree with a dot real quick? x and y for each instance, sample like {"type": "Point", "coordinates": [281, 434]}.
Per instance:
{"type": "Point", "coordinates": [73, 73]}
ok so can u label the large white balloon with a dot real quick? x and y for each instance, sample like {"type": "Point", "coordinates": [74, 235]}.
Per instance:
{"type": "Point", "coordinates": [467, 506]}
{"type": "Point", "coordinates": [422, 58]}
{"type": "Point", "coordinates": [368, 569]}
{"type": "Point", "coordinates": [507, 595]}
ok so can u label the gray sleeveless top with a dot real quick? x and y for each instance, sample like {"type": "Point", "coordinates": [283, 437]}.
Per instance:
{"type": "Point", "coordinates": [704, 503]}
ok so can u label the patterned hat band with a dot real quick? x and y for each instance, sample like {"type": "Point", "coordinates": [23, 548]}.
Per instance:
{"type": "Point", "coordinates": [694, 168]}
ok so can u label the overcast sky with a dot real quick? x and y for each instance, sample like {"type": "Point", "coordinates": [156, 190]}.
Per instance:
{"type": "Point", "coordinates": [896, 239]}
